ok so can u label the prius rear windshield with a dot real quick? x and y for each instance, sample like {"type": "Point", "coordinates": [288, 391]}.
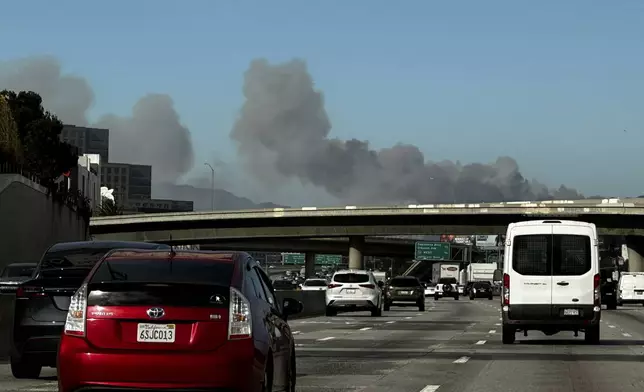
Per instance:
{"type": "Point", "coordinates": [179, 270]}
{"type": "Point", "coordinates": [551, 254]}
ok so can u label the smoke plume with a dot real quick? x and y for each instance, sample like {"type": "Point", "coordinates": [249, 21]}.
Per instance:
{"type": "Point", "coordinates": [152, 134]}
{"type": "Point", "coordinates": [284, 129]}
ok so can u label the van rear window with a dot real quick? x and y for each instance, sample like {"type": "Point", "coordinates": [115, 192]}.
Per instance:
{"type": "Point", "coordinates": [558, 254]}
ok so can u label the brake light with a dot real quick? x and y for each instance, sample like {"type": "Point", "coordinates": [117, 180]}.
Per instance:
{"type": "Point", "coordinates": [239, 317]}
{"type": "Point", "coordinates": [506, 289]}
{"type": "Point", "coordinates": [30, 292]}
{"type": "Point", "coordinates": [368, 286]}
{"type": "Point", "coordinates": [77, 313]}
{"type": "Point", "coordinates": [333, 285]}
{"type": "Point", "coordinates": [596, 289]}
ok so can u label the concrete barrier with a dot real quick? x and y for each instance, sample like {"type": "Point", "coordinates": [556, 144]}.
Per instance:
{"type": "Point", "coordinates": [313, 302]}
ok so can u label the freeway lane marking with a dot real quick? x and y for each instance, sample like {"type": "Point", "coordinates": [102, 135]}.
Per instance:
{"type": "Point", "coordinates": [365, 329]}
{"type": "Point", "coordinates": [430, 388]}
{"type": "Point", "coordinates": [327, 338]}
{"type": "Point", "coordinates": [296, 332]}
{"type": "Point", "coordinates": [628, 335]}
{"type": "Point", "coordinates": [611, 326]}
{"type": "Point", "coordinates": [492, 331]}
{"type": "Point", "coordinates": [480, 342]}
{"type": "Point", "coordinates": [407, 318]}
{"type": "Point", "coordinates": [390, 322]}
{"type": "Point", "coordinates": [462, 360]}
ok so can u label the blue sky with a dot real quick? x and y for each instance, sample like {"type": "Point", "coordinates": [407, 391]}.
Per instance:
{"type": "Point", "coordinates": [553, 84]}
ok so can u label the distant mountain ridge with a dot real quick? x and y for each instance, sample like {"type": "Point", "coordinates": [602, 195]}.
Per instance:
{"type": "Point", "coordinates": [202, 198]}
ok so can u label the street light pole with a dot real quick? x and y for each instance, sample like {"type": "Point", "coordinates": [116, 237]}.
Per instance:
{"type": "Point", "coordinates": [212, 184]}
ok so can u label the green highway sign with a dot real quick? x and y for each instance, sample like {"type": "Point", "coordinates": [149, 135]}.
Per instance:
{"type": "Point", "coordinates": [328, 259]}
{"type": "Point", "coordinates": [292, 258]}
{"type": "Point", "coordinates": [433, 251]}
{"type": "Point", "coordinates": [320, 259]}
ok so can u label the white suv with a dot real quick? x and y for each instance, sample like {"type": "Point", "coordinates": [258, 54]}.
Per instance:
{"type": "Point", "coordinates": [354, 290]}
{"type": "Point", "coordinates": [551, 280]}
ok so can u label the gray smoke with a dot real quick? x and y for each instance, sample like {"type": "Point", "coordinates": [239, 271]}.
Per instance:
{"type": "Point", "coordinates": [152, 134]}
{"type": "Point", "coordinates": [284, 129]}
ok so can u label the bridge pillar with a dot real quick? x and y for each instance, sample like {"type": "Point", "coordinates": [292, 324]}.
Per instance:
{"type": "Point", "coordinates": [635, 251]}
{"type": "Point", "coordinates": [356, 244]}
{"type": "Point", "coordinates": [309, 265]}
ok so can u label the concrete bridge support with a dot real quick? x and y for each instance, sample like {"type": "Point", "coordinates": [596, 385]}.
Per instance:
{"type": "Point", "coordinates": [309, 265]}
{"type": "Point", "coordinates": [634, 253]}
{"type": "Point", "coordinates": [356, 245]}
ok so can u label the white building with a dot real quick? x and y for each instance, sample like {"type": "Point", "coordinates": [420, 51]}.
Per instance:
{"type": "Point", "coordinates": [87, 178]}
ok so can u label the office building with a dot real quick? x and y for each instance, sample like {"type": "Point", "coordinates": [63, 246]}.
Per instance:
{"type": "Point", "coordinates": [88, 140]}
{"type": "Point", "coordinates": [130, 182]}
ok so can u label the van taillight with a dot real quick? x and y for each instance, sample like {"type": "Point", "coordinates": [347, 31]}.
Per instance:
{"type": "Point", "coordinates": [77, 313]}
{"type": "Point", "coordinates": [239, 317]}
{"type": "Point", "coordinates": [30, 292]}
{"type": "Point", "coordinates": [506, 289]}
{"type": "Point", "coordinates": [596, 289]}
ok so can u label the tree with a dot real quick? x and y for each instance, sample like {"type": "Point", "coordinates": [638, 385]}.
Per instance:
{"type": "Point", "coordinates": [10, 146]}
{"type": "Point", "coordinates": [43, 153]}
{"type": "Point", "coordinates": [109, 208]}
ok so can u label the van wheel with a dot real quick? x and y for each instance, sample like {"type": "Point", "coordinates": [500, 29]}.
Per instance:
{"type": "Point", "coordinates": [23, 368]}
{"type": "Point", "coordinates": [591, 335]}
{"type": "Point", "coordinates": [387, 307]}
{"type": "Point", "coordinates": [611, 305]}
{"type": "Point", "coordinates": [376, 312]}
{"type": "Point", "coordinates": [456, 298]}
{"type": "Point", "coordinates": [490, 297]}
{"type": "Point", "coordinates": [421, 307]}
{"type": "Point", "coordinates": [436, 298]}
{"type": "Point", "coordinates": [330, 312]}
{"type": "Point", "coordinates": [509, 335]}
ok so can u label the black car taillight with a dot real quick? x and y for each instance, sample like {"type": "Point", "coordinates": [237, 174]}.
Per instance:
{"type": "Point", "coordinates": [30, 292]}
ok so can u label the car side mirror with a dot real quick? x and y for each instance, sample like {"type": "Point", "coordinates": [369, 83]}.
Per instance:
{"type": "Point", "coordinates": [381, 284]}
{"type": "Point", "coordinates": [291, 306]}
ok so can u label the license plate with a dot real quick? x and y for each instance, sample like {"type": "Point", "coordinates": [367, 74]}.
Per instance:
{"type": "Point", "coordinates": [351, 291]}
{"type": "Point", "coordinates": [571, 312]}
{"type": "Point", "coordinates": [404, 292]}
{"type": "Point", "coordinates": [156, 333]}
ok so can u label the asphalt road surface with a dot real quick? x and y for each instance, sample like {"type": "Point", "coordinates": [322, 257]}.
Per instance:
{"type": "Point", "coordinates": [452, 346]}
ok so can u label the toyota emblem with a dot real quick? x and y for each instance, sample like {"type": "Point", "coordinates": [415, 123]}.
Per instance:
{"type": "Point", "coordinates": [156, 313]}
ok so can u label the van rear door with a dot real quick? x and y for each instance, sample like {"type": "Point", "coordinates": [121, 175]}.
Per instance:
{"type": "Point", "coordinates": [529, 270]}
{"type": "Point", "coordinates": [574, 253]}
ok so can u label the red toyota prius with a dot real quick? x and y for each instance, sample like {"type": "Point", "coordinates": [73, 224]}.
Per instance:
{"type": "Point", "coordinates": [177, 320]}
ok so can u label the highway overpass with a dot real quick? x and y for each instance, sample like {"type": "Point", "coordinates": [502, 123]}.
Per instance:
{"type": "Point", "coordinates": [612, 216]}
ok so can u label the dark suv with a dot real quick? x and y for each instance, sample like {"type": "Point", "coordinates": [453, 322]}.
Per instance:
{"type": "Point", "coordinates": [481, 290]}
{"type": "Point", "coordinates": [42, 301]}
{"type": "Point", "coordinates": [405, 290]}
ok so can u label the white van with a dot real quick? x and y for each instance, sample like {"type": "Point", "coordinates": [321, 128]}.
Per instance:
{"type": "Point", "coordinates": [551, 279]}
{"type": "Point", "coordinates": [631, 288]}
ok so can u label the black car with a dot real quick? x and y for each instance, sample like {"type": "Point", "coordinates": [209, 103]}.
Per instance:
{"type": "Point", "coordinates": [14, 274]}
{"type": "Point", "coordinates": [481, 290]}
{"type": "Point", "coordinates": [405, 291]}
{"type": "Point", "coordinates": [42, 301]}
